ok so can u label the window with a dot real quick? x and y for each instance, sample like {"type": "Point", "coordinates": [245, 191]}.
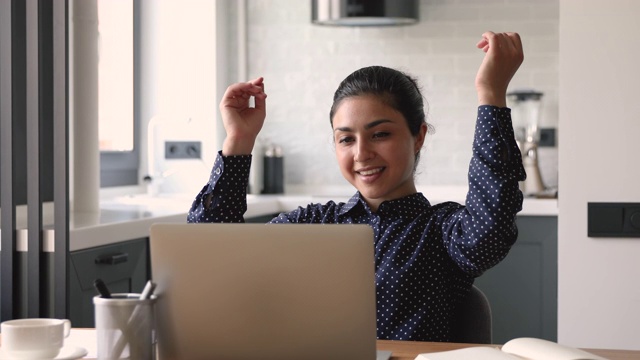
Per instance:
{"type": "Point", "coordinates": [118, 80]}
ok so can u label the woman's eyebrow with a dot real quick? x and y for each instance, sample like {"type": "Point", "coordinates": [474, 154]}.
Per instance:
{"type": "Point", "coordinates": [367, 127]}
{"type": "Point", "coordinates": [376, 123]}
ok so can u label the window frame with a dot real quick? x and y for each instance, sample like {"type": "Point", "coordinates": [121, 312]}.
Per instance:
{"type": "Point", "coordinates": [121, 168]}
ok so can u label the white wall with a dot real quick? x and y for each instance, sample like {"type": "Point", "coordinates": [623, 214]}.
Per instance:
{"type": "Point", "coordinates": [598, 278]}
{"type": "Point", "coordinates": [178, 79]}
{"type": "Point", "coordinates": [304, 63]}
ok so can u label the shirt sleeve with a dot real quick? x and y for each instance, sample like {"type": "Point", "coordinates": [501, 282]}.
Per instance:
{"type": "Point", "coordinates": [479, 235]}
{"type": "Point", "coordinates": [227, 189]}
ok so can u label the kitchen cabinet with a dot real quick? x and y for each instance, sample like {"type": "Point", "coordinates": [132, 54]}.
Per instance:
{"type": "Point", "coordinates": [523, 288]}
{"type": "Point", "coordinates": [123, 266]}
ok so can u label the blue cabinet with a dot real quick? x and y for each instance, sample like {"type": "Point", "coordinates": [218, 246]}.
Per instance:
{"type": "Point", "coordinates": [123, 266]}
{"type": "Point", "coordinates": [523, 288]}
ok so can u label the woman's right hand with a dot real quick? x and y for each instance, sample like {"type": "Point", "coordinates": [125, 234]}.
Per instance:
{"type": "Point", "coordinates": [242, 122]}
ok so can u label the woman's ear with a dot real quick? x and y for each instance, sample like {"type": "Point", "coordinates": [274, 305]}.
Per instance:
{"type": "Point", "coordinates": [420, 138]}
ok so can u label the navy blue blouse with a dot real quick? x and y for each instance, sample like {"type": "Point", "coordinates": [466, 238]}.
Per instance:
{"type": "Point", "coordinates": [426, 256]}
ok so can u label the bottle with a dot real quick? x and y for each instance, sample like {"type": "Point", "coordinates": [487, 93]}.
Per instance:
{"type": "Point", "coordinates": [273, 170]}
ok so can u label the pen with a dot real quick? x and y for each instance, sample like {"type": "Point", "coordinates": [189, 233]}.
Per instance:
{"type": "Point", "coordinates": [102, 288]}
{"type": "Point", "coordinates": [148, 290]}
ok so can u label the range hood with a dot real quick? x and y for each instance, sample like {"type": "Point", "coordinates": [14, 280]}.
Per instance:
{"type": "Point", "coordinates": [364, 12]}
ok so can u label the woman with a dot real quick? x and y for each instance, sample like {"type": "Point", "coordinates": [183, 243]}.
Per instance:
{"type": "Point", "coordinates": [426, 256]}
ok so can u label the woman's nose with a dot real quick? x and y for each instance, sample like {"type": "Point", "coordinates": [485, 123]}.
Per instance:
{"type": "Point", "coordinates": [363, 152]}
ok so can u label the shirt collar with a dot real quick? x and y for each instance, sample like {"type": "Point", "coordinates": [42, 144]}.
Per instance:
{"type": "Point", "coordinates": [356, 202]}
{"type": "Point", "coordinates": [414, 203]}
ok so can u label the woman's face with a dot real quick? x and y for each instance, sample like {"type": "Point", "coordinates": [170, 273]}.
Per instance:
{"type": "Point", "coordinates": [375, 149]}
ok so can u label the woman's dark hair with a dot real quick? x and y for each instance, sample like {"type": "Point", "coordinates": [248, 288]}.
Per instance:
{"type": "Point", "coordinates": [397, 89]}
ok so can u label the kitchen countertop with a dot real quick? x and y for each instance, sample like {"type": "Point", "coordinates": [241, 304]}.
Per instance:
{"type": "Point", "coordinates": [129, 217]}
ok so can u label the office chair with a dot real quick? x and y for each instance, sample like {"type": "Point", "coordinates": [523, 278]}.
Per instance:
{"type": "Point", "coordinates": [473, 321]}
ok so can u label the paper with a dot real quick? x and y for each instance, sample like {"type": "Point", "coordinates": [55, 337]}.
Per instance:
{"type": "Point", "coordinates": [532, 348]}
{"type": "Point", "coordinates": [472, 353]}
{"type": "Point", "coordinates": [516, 349]}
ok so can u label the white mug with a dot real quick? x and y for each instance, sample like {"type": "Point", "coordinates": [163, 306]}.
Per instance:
{"type": "Point", "coordinates": [34, 338]}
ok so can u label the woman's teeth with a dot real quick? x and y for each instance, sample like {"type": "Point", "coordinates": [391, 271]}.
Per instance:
{"type": "Point", "coordinates": [370, 172]}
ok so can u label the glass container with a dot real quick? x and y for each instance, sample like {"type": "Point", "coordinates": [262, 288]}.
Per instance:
{"type": "Point", "coordinates": [525, 112]}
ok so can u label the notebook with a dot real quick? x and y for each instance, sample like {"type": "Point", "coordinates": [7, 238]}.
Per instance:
{"type": "Point", "coordinates": [256, 291]}
{"type": "Point", "coordinates": [516, 349]}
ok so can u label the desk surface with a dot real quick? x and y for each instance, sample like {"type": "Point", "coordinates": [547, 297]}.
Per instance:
{"type": "Point", "coordinates": [408, 350]}
{"type": "Point", "coordinates": [401, 350]}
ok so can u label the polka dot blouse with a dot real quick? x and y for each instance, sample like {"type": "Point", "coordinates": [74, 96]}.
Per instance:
{"type": "Point", "coordinates": [426, 256]}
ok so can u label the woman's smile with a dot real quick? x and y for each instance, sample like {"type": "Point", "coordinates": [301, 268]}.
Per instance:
{"type": "Point", "coordinates": [375, 148]}
{"type": "Point", "coordinates": [369, 172]}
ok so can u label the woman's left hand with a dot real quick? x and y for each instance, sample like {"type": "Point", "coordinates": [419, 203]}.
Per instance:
{"type": "Point", "coordinates": [503, 58]}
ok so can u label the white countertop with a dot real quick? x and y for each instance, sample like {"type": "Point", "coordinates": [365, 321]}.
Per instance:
{"type": "Point", "coordinates": [129, 217]}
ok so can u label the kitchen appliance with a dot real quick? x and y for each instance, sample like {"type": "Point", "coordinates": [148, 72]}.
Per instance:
{"type": "Point", "coordinates": [525, 113]}
{"type": "Point", "coordinates": [364, 12]}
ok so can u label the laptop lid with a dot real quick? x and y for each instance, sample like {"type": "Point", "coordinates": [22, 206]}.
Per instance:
{"type": "Point", "coordinates": [256, 291]}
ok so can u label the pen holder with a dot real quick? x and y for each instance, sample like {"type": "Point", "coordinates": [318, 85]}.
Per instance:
{"type": "Point", "coordinates": [125, 327]}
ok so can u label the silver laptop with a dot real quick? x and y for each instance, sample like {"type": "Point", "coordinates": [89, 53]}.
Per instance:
{"type": "Point", "coordinates": [255, 291]}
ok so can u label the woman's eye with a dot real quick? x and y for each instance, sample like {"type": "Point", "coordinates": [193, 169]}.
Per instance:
{"type": "Point", "coordinates": [381, 134]}
{"type": "Point", "coordinates": [345, 140]}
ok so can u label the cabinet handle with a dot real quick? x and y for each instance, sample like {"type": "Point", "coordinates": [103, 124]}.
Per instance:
{"type": "Point", "coordinates": [112, 259]}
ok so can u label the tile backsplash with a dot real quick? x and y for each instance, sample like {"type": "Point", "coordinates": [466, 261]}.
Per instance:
{"type": "Point", "coordinates": [303, 64]}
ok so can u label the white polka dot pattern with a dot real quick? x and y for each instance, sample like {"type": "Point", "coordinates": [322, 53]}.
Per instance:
{"type": "Point", "coordinates": [426, 257]}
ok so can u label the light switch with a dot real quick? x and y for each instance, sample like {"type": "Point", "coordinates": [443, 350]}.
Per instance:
{"type": "Point", "coordinates": [635, 220]}
{"type": "Point", "coordinates": [614, 219]}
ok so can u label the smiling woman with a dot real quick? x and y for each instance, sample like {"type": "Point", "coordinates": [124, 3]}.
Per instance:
{"type": "Point", "coordinates": [375, 149]}
{"type": "Point", "coordinates": [426, 256]}
{"type": "Point", "coordinates": [379, 126]}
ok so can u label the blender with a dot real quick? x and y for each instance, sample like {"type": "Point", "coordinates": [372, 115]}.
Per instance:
{"type": "Point", "coordinates": [525, 113]}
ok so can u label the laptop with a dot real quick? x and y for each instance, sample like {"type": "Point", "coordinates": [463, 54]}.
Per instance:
{"type": "Point", "coordinates": [257, 291]}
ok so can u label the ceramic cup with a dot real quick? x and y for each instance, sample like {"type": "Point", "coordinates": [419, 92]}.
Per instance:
{"type": "Point", "coordinates": [34, 338]}
{"type": "Point", "coordinates": [125, 327]}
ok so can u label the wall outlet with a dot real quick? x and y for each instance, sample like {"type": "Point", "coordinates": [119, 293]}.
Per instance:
{"type": "Point", "coordinates": [547, 137]}
{"type": "Point", "coordinates": [183, 150]}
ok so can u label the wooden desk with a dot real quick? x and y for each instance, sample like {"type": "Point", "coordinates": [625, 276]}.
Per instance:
{"type": "Point", "coordinates": [401, 350]}
{"type": "Point", "coordinates": [408, 350]}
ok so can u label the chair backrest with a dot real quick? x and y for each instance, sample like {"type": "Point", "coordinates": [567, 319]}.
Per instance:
{"type": "Point", "coordinates": [473, 322]}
